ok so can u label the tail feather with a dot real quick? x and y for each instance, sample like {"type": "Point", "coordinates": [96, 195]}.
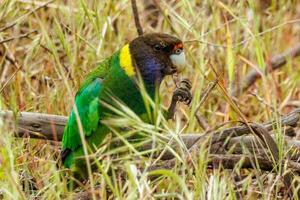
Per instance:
{"type": "Point", "coordinates": [64, 154]}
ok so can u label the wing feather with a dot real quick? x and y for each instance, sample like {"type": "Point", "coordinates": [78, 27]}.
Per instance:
{"type": "Point", "coordinates": [87, 103]}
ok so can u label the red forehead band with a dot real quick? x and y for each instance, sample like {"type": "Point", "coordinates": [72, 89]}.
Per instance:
{"type": "Point", "coordinates": [178, 46]}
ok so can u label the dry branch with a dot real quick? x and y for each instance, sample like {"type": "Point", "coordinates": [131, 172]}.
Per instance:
{"type": "Point", "coordinates": [230, 161]}
{"type": "Point", "coordinates": [29, 124]}
{"type": "Point", "coordinates": [37, 125]}
{"type": "Point", "coordinates": [275, 63]}
{"type": "Point", "coordinates": [235, 145]}
{"type": "Point", "coordinates": [50, 127]}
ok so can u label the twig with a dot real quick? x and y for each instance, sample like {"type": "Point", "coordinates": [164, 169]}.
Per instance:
{"type": "Point", "coordinates": [138, 26]}
{"type": "Point", "coordinates": [25, 35]}
{"type": "Point", "coordinates": [204, 96]}
{"type": "Point", "coordinates": [202, 122]}
{"type": "Point", "coordinates": [275, 63]}
{"type": "Point", "coordinates": [11, 58]}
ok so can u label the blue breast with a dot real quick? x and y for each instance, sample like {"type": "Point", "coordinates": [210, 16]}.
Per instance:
{"type": "Point", "coordinates": [150, 70]}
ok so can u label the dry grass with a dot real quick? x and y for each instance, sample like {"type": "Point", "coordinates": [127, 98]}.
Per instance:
{"type": "Point", "coordinates": [42, 70]}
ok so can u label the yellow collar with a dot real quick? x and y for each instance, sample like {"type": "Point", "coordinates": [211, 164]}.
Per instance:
{"type": "Point", "coordinates": [126, 61]}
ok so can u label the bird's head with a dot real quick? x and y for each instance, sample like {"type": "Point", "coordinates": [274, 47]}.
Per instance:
{"type": "Point", "coordinates": [156, 55]}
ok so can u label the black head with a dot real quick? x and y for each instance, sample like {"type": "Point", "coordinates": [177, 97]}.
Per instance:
{"type": "Point", "coordinates": [156, 55]}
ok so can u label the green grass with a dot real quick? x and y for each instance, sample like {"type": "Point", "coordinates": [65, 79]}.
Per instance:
{"type": "Point", "coordinates": [73, 36]}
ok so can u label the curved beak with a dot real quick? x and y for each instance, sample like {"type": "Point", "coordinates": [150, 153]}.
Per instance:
{"type": "Point", "coordinates": [178, 60]}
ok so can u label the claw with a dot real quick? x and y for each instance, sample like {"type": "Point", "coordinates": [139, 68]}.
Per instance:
{"type": "Point", "coordinates": [183, 93]}
{"type": "Point", "coordinates": [185, 83]}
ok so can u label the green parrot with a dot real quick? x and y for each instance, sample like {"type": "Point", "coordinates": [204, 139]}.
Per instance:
{"type": "Point", "coordinates": [151, 56]}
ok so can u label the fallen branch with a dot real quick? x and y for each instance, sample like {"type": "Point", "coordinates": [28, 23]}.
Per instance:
{"type": "Point", "coordinates": [37, 125]}
{"type": "Point", "coordinates": [230, 161]}
{"type": "Point", "coordinates": [214, 161]}
{"type": "Point", "coordinates": [275, 63]}
{"type": "Point", "coordinates": [251, 162]}
{"type": "Point", "coordinates": [50, 127]}
{"type": "Point", "coordinates": [235, 145]}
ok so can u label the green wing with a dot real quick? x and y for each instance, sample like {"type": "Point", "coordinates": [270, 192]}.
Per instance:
{"type": "Point", "coordinates": [87, 102]}
{"type": "Point", "coordinates": [99, 72]}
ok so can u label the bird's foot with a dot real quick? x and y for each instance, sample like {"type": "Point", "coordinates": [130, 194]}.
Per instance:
{"type": "Point", "coordinates": [181, 94]}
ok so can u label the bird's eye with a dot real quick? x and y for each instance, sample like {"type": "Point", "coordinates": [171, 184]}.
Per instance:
{"type": "Point", "coordinates": [178, 51]}
{"type": "Point", "coordinates": [157, 47]}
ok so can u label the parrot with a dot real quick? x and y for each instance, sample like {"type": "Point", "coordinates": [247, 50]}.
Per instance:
{"type": "Point", "coordinates": [151, 56]}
